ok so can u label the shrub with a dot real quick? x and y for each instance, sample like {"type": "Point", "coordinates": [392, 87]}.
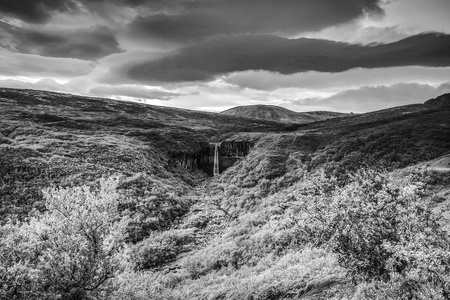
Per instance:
{"type": "Point", "coordinates": [67, 252]}
{"type": "Point", "coordinates": [151, 206]}
{"type": "Point", "coordinates": [160, 248]}
{"type": "Point", "coordinates": [381, 230]}
{"type": "Point", "coordinates": [310, 272]}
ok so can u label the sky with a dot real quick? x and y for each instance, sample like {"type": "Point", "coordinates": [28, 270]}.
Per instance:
{"type": "Point", "coordinates": [211, 55]}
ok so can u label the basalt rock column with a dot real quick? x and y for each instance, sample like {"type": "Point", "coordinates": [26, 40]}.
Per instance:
{"type": "Point", "coordinates": [216, 160]}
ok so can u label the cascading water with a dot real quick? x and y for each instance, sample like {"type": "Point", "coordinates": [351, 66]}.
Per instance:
{"type": "Point", "coordinates": [216, 160]}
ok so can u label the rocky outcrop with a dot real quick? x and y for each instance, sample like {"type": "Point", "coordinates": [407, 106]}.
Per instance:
{"type": "Point", "coordinates": [236, 149]}
{"type": "Point", "coordinates": [189, 160]}
{"type": "Point", "coordinates": [194, 157]}
{"type": "Point", "coordinates": [230, 152]}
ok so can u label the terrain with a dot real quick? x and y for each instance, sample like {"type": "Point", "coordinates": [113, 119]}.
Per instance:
{"type": "Point", "coordinates": [51, 138]}
{"type": "Point", "coordinates": [355, 207]}
{"type": "Point", "coordinates": [280, 114]}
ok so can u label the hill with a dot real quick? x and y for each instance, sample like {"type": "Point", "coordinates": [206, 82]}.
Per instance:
{"type": "Point", "coordinates": [51, 138]}
{"type": "Point", "coordinates": [280, 114]}
{"type": "Point", "coordinates": [443, 100]}
{"type": "Point", "coordinates": [301, 211]}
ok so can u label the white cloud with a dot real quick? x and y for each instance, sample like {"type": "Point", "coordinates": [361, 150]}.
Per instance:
{"type": "Point", "coordinates": [43, 84]}
{"type": "Point", "coordinates": [313, 81]}
{"type": "Point", "coordinates": [134, 92]}
{"type": "Point", "coordinates": [366, 99]}
{"type": "Point", "coordinates": [39, 67]}
{"type": "Point", "coordinates": [418, 15]}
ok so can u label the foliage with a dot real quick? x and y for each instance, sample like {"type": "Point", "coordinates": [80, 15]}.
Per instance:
{"type": "Point", "coordinates": [69, 251]}
{"type": "Point", "coordinates": [395, 142]}
{"type": "Point", "coordinates": [160, 248]}
{"type": "Point", "coordinates": [380, 230]}
{"type": "Point", "coordinates": [294, 275]}
{"type": "Point", "coordinates": [139, 285]}
{"type": "Point", "coordinates": [20, 171]}
{"type": "Point", "coordinates": [151, 205]}
{"type": "Point", "coordinates": [273, 226]}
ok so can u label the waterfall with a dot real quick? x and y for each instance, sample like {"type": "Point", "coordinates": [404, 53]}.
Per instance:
{"type": "Point", "coordinates": [216, 160]}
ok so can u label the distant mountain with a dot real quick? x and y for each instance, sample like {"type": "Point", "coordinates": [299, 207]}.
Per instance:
{"type": "Point", "coordinates": [280, 114]}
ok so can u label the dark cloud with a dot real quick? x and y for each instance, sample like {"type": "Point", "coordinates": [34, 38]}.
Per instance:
{"type": "Point", "coordinates": [90, 44]}
{"type": "Point", "coordinates": [39, 11]}
{"type": "Point", "coordinates": [35, 11]}
{"type": "Point", "coordinates": [187, 20]}
{"type": "Point", "coordinates": [226, 54]}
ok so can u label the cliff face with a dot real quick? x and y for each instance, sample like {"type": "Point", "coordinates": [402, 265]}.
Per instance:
{"type": "Point", "coordinates": [203, 158]}
{"type": "Point", "coordinates": [190, 160]}
{"type": "Point", "coordinates": [232, 151]}
{"type": "Point", "coordinates": [193, 157]}
{"type": "Point", "coordinates": [237, 149]}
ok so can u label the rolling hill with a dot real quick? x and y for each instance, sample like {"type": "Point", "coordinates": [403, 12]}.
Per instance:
{"type": "Point", "coordinates": [53, 138]}
{"type": "Point", "coordinates": [256, 231]}
{"type": "Point", "coordinates": [280, 114]}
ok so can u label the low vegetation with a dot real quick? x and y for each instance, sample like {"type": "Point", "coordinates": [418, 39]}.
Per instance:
{"type": "Point", "coordinates": [323, 211]}
{"type": "Point", "coordinates": [373, 238]}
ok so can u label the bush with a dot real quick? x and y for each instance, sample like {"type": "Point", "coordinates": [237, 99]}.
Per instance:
{"type": "Point", "coordinates": [381, 230]}
{"type": "Point", "coordinates": [69, 251]}
{"type": "Point", "coordinates": [309, 272]}
{"type": "Point", "coordinates": [151, 206]}
{"type": "Point", "coordinates": [160, 248]}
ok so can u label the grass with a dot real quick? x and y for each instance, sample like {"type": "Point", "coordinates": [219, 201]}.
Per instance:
{"type": "Point", "coordinates": [235, 236]}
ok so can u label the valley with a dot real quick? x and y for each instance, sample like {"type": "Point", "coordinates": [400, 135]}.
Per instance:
{"type": "Point", "coordinates": [332, 209]}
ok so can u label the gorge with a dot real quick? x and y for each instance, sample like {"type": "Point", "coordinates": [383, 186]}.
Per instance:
{"type": "Point", "coordinates": [212, 157]}
{"type": "Point", "coordinates": [187, 234]}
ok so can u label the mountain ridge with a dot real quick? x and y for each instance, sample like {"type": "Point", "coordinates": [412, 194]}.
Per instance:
{"type": "Point", "coordinates": [280, 114]}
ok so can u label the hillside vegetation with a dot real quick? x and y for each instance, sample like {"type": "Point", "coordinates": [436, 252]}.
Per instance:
{"type": "Point", "coordinates": [60, 139]}
{"type": "Point", "coordinates": [92, 206]}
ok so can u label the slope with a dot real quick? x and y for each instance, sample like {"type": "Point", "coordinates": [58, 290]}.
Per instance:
{"type": "Point", "coordinates": [243, 234]}
{"type": "Point", "coordinates": [59, 139]}
{"type": "Point", "coordinates": [280, 114]}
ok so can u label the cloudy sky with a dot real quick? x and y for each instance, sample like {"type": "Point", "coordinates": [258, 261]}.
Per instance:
{"type": "Point", "coordinates": [340, 55]}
